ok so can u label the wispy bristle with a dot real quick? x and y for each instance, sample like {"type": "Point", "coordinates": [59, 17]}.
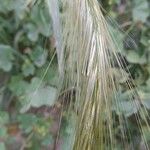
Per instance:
{"type": "Point", "coordinates": [90, 56]}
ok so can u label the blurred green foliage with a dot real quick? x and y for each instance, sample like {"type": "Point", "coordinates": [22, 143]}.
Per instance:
{"type": "Point", "coordinates": [26, 48]}
{"type": "Point", "coordinates": [25, 39]}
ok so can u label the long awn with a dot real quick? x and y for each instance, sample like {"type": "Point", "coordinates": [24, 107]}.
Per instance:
{"type": "Point", "coordinates": [88, 59]}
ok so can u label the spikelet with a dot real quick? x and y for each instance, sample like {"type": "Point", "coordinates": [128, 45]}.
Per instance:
{"type": "Point", "coordinates": [90, 58]}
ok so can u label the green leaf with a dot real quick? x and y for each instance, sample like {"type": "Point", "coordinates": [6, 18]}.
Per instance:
{"type": "Point", "coordinates": [18, 86]}
{"type": "Point", "coordinates": [32, 32]}
{"type": "Point", "coordinates": [6, 57]}
{"type": "Point", "coordinates": [35, 83]}
{"type": "Point", "coordinates": [119, 74]}
{"type": "Point", "coordinates": [125, 105]}
{"type": "Point", "coordinates": [118, 36]}
{"type": "Point", "coordinates": [43, 96]}
{"type": "Point", "coordinates": [140, 10]}
{"type": "Point", "coordinates": [52, 75]}
{"type": "Point", "coordinates": [38, 95]}
{"type": "Point", "coordinates": [127, 108]}
{"type": "Point", "coordinates": [20, 7]}
{"type": "Point", "coordinates": [28, 68]}
{"type": "Point", "coordinates": [42, 20]}
{"type": "Point", "coordinates": [39, 56]}
{"type": "Point", "coordinates": [27, 122]}
{"type": "Point", "coordinates": [133, 57]}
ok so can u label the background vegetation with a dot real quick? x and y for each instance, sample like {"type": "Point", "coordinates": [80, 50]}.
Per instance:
{"type": "Point", "coordinates": [27, 46]}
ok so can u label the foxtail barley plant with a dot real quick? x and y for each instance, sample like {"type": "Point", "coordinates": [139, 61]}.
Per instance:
{"type": "Point", "coordinates": [88, 60]}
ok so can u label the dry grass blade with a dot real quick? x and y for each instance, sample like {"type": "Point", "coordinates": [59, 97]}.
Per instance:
{"type": "Point", "coordinates": [90, 56]}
